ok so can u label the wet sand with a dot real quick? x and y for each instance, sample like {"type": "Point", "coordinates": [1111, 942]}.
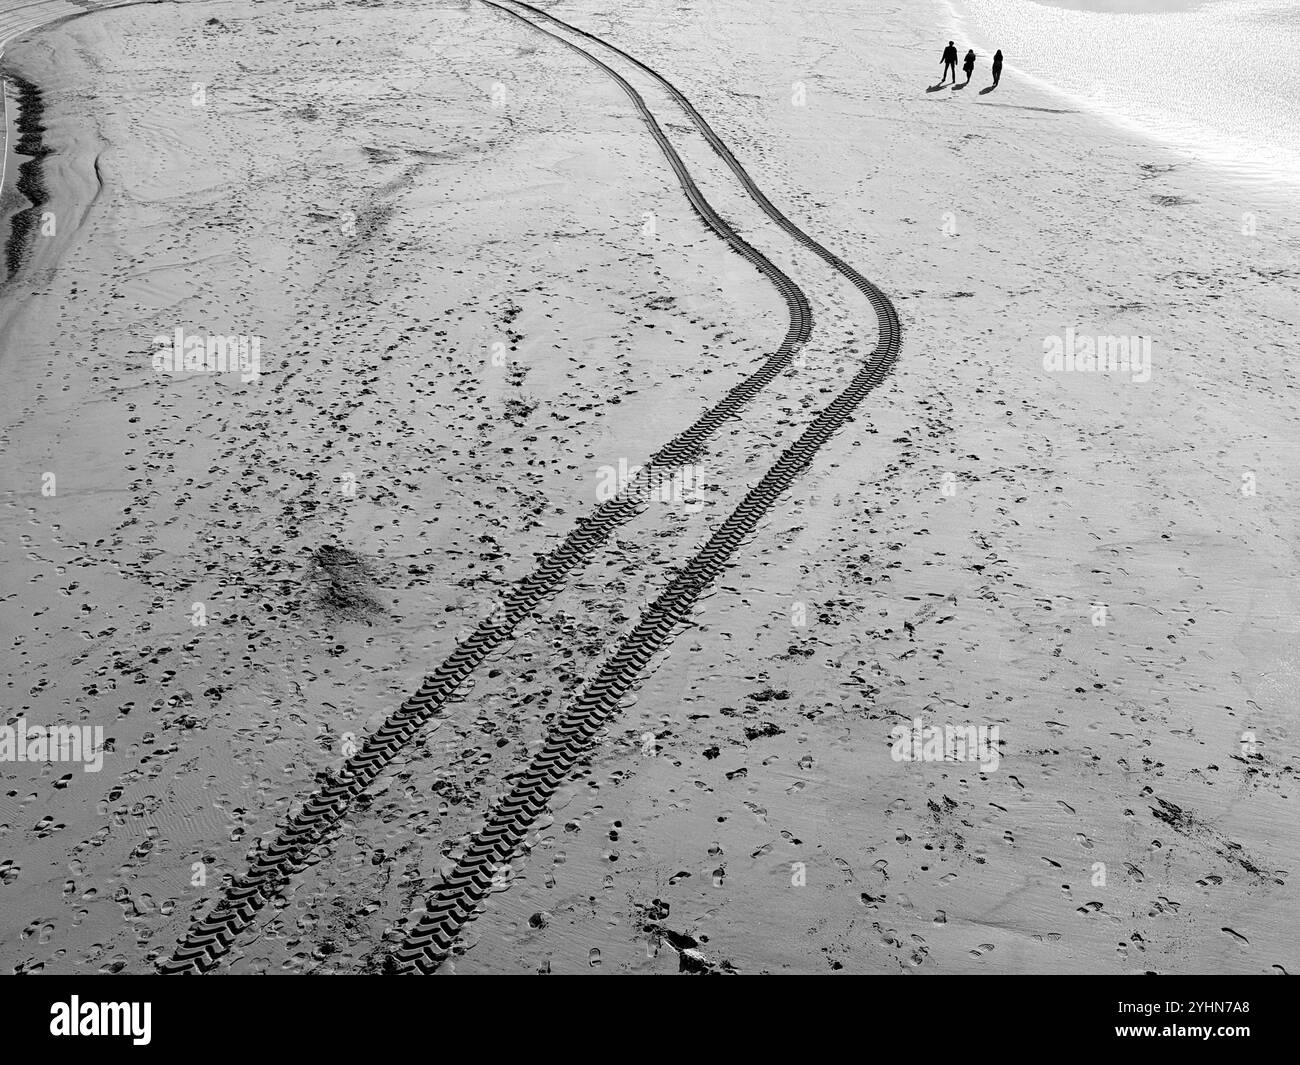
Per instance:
{"type": "Point", "coordinates": [385, 194]}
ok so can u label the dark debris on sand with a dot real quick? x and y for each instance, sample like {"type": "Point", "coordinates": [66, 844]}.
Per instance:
{"type": "Point", "coordinates": [344, 583]}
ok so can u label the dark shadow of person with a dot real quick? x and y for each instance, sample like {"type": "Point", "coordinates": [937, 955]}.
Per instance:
{"type": "Point", "coordinates": [936, 88]}
{"type": "Point", "coordinates": [986, 91]}
{"type": "Point", "coordinates": [961, 86]}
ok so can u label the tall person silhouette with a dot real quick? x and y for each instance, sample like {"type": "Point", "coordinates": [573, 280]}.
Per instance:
{"type": "Point", "coordinates": [997, 67]}
{"type": "Point", "coordinates": [949, 63]}
{"type": "Point", "coordinates": [968, 66]}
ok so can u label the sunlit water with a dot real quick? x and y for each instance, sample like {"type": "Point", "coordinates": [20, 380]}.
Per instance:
{"type": "Point", "coordinates": [1215, 78]}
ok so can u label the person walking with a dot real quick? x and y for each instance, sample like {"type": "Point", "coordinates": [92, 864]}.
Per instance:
{"type": "Point", "coordinates": [968, 66]}
{"type": "Point", "coordinates": [997, 67]}
{"type": "Point", "coordinates": [949, 63]}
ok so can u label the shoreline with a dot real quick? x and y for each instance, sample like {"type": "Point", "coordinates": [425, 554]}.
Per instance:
{"type": "Point", "coordinates": [15, 24]}
{"type": "Point", "coordinates": [1279, 182]}
{"type": "Point", "coordinates": [947, 549]}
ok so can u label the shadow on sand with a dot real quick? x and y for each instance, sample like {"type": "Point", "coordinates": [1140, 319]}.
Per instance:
{"type": "Point", "coordinates": [936, 88]}
{"type": "Point", "coordinates": [985, 92]}
{"type": "Point", "coordinates": [962, 85]}
{"type": "Point", "coordinates": [1026, 107]}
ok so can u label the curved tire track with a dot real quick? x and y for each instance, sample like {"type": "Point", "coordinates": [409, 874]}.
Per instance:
{"type": "Point", "coordinates": [289, 851]}
{"type": "Point", "coordinates": [570, 740]}
{"type": "Point", "coordinates": [883, 308]}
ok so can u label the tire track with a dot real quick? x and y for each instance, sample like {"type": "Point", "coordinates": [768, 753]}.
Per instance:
{"type": "Point", "coordinates": [883, 308]}
{"type": "Point", "coordinates": [570, 741]}
{"type": "Point", "coordinates": [273, 863]}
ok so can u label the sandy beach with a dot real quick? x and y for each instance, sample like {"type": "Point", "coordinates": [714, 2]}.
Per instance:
{"type": "Point", "coordinates": [482, 292]}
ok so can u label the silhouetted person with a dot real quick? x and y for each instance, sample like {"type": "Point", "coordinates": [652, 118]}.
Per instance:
{"type": "Point", "coordinates": [997, 67]}
{"type": "Point", "coordinates": [949, 63]}
{"type": "Point", "coordinates": [968, 66]}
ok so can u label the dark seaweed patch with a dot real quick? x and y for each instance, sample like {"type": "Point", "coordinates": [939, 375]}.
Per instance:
{"type": "Point", "coordinates": [31, 181]}
{"type": "Point", "coordinates": [344, 583]}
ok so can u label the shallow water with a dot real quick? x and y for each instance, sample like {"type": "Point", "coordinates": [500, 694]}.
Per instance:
{"type": "Point", "coordinates": [1202, 77]}
{"type": "Point", "coordinates": [1126, 7]}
